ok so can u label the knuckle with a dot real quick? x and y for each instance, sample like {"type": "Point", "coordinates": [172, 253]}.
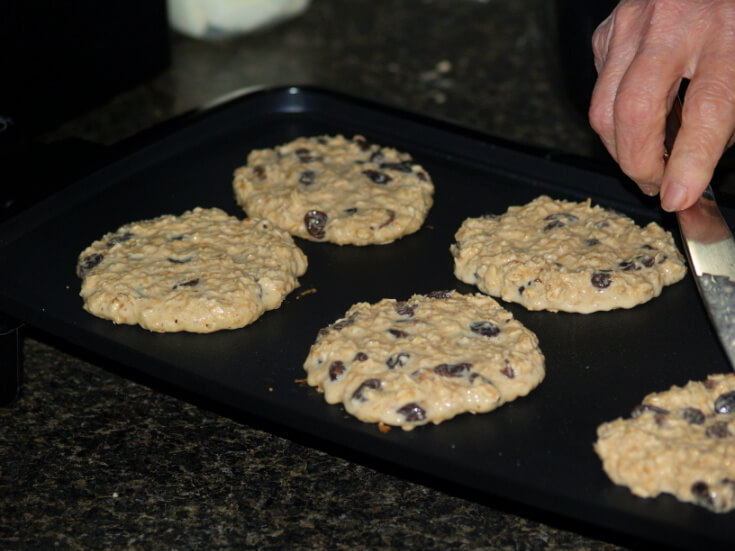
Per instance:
{"type": "Point", "coordinates": [600, 119]}
{"type": "Point", "coordinates": [633, 109]}
{"type": "Point", "coordinates": [600, 39]}
{"type": "Point", "coordinates": [712, 99]}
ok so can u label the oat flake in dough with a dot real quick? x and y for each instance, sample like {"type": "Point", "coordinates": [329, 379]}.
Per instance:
{"type": "Point", "coordinates": [563, 255]}
{"type": "Point", "coordinates": [681, 442]}
{"type": "Point", "coordinates": [201, 271]}
{"type": "Point", "coordinates": [426, 359]}
{"type": "Point", "coordinates": [331, 188]}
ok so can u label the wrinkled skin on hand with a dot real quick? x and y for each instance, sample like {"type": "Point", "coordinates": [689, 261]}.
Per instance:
{"type": "Point", "coordinates": [642, 51]}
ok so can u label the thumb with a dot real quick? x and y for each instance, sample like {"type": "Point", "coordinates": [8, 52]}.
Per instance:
{"type": "Point", "coordinates": [708, 123]}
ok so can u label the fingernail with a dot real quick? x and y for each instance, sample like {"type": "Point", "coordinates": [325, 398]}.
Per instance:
{"type": "Point", "coordinates": [649, 189]}
{"type": "Point", "coordinates": [673, 197]}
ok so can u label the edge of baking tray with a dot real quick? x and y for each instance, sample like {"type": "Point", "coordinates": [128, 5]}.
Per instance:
{"type": "Point", "coordinates": [557, 166]}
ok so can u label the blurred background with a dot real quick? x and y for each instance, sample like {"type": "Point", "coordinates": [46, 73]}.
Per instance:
{"type": "Point", "coordinates": [517, 68]}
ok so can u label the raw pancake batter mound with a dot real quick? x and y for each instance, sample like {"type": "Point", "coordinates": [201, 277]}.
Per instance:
{"type": "Point", "coordinates": [562, 255]}
{"type": "Point", "coordinates": [200, 272]}
{"type": "Point", "coordinates": [345, 191]}
{"type": "Point", "coordinates": [426, 359]}
{"type": "Point", "coordinates": [681, 441]}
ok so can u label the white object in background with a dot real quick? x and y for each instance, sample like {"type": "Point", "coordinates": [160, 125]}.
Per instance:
{"type": "Point", "coordinates": [216, 19]}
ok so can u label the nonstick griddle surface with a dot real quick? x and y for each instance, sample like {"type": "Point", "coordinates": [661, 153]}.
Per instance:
{"type": "Point", "coordinates": [536, 451]}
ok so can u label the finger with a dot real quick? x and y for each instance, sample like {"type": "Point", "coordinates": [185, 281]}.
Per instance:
{"type": "Point", "coordinates": [603, 93]}
{"type": "Point", "coordinates": [708, 123]}
{"type": "Point", "coordinates": [600, 42]}
{"type": "Point", "coordinates": [641, 106]}
{"type": "Point", "coordinates": [615, 44]}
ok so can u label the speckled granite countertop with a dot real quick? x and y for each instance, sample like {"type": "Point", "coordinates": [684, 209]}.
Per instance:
{"type": "Point", "coordinates": [89, 459]}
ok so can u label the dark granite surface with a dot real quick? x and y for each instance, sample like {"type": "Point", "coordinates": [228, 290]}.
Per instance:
{"type": "Point", "coordinates": [89, 459]}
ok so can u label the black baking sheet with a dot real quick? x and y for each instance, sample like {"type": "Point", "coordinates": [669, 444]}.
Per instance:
{"type": "Point", "coordinates": [536, 451]}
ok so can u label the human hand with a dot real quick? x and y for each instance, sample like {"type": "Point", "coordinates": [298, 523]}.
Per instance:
{"type": "Point", "coordinates": [642, 51]}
